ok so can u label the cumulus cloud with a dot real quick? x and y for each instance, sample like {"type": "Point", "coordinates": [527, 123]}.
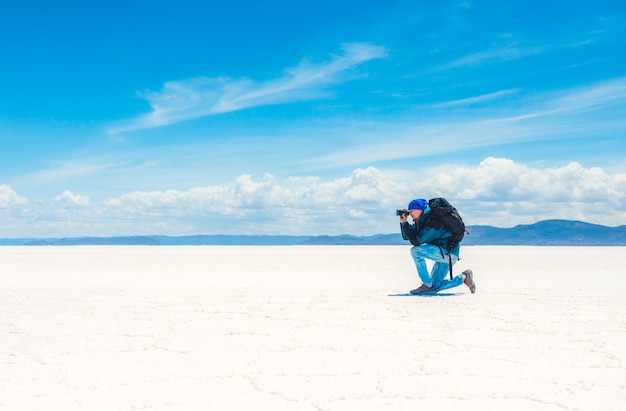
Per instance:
{"type": "Point", "coordinates": [70, 199]}
{"type": "Point", "coordinates": [204, 96]}
{"type": "Point", "coordinates": [9, 198]}
{"type": "Point", "coordinates": [501, 192]}
{"type": "Point", "coordinates": [498, 191]}
{"type": "Point", "coordinates": [501, 178]}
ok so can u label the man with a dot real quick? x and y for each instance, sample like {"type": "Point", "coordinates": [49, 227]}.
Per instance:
{"type": "Point", "coordinates": [430, 241]}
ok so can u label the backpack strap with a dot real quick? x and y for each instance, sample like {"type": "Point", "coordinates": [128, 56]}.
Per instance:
{"type": "Point", "coordinates": [449, 258]}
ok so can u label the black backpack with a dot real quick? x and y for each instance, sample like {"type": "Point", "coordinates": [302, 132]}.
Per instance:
{"type": "Point", "coordinates": [441, 211]}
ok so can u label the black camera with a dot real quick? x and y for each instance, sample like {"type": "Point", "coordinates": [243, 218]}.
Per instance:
{"type": "Point", "coordinates": [403, 211]}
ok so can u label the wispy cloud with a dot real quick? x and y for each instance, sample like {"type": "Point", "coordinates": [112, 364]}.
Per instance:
{"type": "Point", "coordinates": [477, 99]}
{"type": "Point", "coordinates": [204, 96]}
{"type": "Point", "coordinates": [71, 169]}
{"type": "Point", "coordinates": [606, 95]}
{"type": "Point", "coordinates": [564, 114]}
{"type": "Point", "coordinates": [502, 53]}
{"type": "Point", "coordinates": [496, 55]}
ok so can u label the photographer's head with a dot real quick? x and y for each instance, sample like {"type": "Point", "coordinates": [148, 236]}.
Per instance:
{"type": "Point", "coordinates": [417, 207]}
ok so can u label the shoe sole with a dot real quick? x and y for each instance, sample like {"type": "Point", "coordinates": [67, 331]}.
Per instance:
{"type": "Point", "coordinates": [424, 293]}
{"type": "Point", "coordinates": [470, 275]}
{"type": "Point", "coordinates": [415, 292]}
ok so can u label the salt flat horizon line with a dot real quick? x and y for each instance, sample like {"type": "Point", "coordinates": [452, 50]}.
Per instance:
{"type": "Point", "coordinates": [544, 233]}
{"type": "Point", "coordinates": [555, 220]}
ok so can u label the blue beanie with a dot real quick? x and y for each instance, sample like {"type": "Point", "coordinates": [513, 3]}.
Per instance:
{"type": "Point", "coordinates": [418, 204]}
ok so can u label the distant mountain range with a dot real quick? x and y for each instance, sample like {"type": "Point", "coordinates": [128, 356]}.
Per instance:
{"type": "Point", "coordinates": [549, 232]}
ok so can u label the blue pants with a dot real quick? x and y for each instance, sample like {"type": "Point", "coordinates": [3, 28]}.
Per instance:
{"type": "Point", "coordinates": [437, 276]}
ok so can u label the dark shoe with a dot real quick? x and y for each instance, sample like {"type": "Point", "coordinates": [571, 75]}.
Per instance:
{"type": "Point", "coordinates": [469, 280]}
{"type": "Point", "coordinates": [422, 289]}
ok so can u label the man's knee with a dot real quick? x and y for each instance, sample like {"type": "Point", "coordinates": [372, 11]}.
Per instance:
{"type": "Point", "coordinates": [416, 251]}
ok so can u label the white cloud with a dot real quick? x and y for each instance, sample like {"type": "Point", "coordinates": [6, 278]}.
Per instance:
{"type": "Point", "coordinates": [497, 192]}
{"type": "Point", "coordinates": [70, 199]}
{"type": "Point", "coordinates": [9, 198]}
{"type": "Point", "coordinates": [500, 178]}
{"type": "Point", "coordinates": [502, 192]}
{"type": "Point", "coordinates": [204, 96]}
{"type": "Point", "coordinates": [71, 169]}
{"type": "Point", "coordinates": [594, 97]}
{"type": "Point", "coordinates": [513, 50]}
{"type": "Point", "coordinates": [496, 54]}
{"type": "Point", "coordinates": [490, 97]}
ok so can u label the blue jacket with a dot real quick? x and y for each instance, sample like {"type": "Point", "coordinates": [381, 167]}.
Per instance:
{"type": "Point", "coordinates": [425, 233]}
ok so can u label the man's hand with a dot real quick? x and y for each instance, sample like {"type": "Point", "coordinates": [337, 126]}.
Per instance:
{"type": "Point", "coordinates": [403, 218]}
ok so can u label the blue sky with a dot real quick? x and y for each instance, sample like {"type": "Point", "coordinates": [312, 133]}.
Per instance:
{"type": "Point", "coordinates": [277, 117]}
